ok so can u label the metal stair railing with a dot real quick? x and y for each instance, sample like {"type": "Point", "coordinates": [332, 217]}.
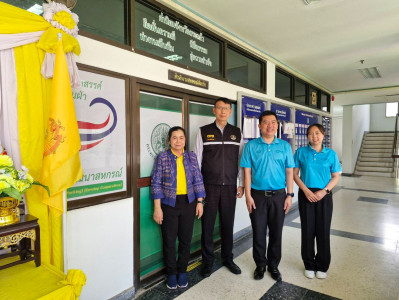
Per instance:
{"type": "Point", "coordinates": [395, 149]}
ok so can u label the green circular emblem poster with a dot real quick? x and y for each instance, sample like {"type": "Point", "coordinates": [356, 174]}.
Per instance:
{"type": "Point", "coordinates": [159, 138]}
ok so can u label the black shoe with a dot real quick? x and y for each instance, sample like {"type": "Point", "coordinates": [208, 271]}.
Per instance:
{"type": "Point", "coordinates": [206, 270]}
{"type": "Point", "coordinates": [232, 267]}
{"type": "Point", "coordinates": [259, 271]}
{"type": "Point", "coordinates": [275, 273]}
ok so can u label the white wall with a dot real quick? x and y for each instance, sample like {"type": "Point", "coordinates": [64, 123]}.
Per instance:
{"type": "Point", "coordinates": [271, 79]}
{"type": "Point", "coordinates": [378, 120]}
{"type": "Point", "coordinates": [336, 130]}
{"type": "Point", "coordinates": [360, 124]}
{"type": "Point", "coordinates": [99, 241]}
{"type": "Point", "coordinates": [356, 120]}
{"type": "Point", "coordinates": [347, 140]}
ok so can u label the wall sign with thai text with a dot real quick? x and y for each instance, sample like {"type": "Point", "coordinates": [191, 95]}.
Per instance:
{"type": "Point", "coordinates": [166, 36]}
{"type": "Point", "coordinates": [176, 76]}
{"type": "Point", "coordinates": [100, 110]}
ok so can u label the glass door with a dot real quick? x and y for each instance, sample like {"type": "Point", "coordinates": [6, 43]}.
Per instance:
{"type": "Point", "coordinates": [158, 113]}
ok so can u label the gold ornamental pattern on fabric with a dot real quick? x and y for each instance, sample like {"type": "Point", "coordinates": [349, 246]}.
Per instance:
{"type": "Point", "coordinates": [9, 211]}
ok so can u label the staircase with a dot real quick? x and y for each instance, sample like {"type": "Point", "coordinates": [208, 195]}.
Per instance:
{"type": "Point", "coordinates": [375, 156]}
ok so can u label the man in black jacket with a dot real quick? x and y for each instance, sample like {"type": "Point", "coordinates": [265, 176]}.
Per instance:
{"type": "Point", "coordinates": [218, 148]}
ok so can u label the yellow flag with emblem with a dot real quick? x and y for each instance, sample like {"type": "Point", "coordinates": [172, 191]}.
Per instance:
{"type": "Point", "coordinates": [61, 162]}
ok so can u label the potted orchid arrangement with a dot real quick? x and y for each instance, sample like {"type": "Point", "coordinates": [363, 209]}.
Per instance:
{"type": "Point", "coordinates": [13, 184]}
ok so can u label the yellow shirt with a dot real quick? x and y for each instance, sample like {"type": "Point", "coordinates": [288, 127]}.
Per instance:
{"type": "Point", "coordinates": [181, 176]}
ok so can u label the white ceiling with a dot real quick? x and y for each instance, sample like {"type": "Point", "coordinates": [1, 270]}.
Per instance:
{"type": "Point", "coordinates": [324, 41]}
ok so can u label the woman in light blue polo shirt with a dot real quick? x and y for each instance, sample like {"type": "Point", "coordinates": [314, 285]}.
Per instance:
{"type": "Point", "coordinates": [319, 172]}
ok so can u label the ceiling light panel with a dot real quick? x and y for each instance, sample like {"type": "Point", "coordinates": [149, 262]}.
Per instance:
{"type": "Point", "coordinates": [370, 73]}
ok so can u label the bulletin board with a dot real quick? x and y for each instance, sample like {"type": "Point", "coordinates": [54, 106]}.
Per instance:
{"type": "Point", "coordinates": [251, 109]}
{"type": "Point", "coordinates": [286, 127]}
{"type": "Point", "coordinates": [303, 120]}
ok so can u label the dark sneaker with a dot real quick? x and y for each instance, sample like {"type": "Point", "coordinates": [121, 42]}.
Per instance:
{"type": "Point", "coordinates": [171, 283]}
{"type": "Point", "coordinates": [182, 280]}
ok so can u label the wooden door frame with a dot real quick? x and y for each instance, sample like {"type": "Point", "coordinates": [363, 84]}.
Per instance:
{"type": "Point", "coordinates": [138, 85]}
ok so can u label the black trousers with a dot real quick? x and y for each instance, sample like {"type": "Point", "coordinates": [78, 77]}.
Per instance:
{"type": "Point", "coordinates": [177, 222]}
{"type": "Point", "coordinates": [269, 213]}
{"type": "Point", "coordinates": [315, 223]}
{"type": "Point", "coordinates": [220, 198]}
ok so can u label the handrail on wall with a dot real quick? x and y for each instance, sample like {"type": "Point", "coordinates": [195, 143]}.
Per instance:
{"type": "Point", "coordinates": [395, 149]}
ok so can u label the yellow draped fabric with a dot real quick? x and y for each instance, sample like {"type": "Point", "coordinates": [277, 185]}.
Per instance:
{"type": "Point", "coordinates": [61, 162]}
{"type": "Point", "coordinates": [26, 282]}
{"type": "Point", "coordinates": [49, 41]}
{"type": "Point", "coordinates": [33, 114]}
{"type": "Point", "coordinates": [16, 20]}
{"type": "Point", "coordinates": [33, 103]}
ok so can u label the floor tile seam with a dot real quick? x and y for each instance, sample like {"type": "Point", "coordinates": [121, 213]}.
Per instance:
{"type": "Point", "coordinates": [370, 191]}
{"type": "Point", "coordinates": [373, 200]}
{"type": "Point", "coordinates": [350, 235]}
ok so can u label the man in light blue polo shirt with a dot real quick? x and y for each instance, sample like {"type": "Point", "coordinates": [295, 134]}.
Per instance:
{"type": "Point", "coordinates": [268, 167]}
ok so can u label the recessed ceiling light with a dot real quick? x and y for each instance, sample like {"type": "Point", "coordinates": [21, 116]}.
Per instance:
{"type": "Point", "coordinates": [370, 73]}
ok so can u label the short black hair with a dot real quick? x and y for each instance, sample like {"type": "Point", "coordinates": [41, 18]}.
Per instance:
{"type": "Point", "coordinates": [173, 129]}
{"type": "Point", "coordinates": [319, 126]}
{"type": "Point", "coordinates": [267, 113]}
{"type": "Point", "coordinates": [224, 100]}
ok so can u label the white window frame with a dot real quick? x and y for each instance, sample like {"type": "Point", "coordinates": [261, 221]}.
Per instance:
{"type": "Point", "coordinates": [391, 109]}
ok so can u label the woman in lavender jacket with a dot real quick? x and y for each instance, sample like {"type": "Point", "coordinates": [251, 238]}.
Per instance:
{"type": "Point", "coordinates": [177, 190]}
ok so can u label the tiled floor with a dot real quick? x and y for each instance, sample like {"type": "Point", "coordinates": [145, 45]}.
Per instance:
{"type": "Point", "coordinates": [365, 254]}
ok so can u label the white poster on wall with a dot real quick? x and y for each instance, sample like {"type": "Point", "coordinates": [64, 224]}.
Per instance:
{"type": "Point", "coordinates": [197, 121]}
{"type": "Point", "coordinates": [154, 128]}
{"type": "Point", "coordinates": [100, 111]}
